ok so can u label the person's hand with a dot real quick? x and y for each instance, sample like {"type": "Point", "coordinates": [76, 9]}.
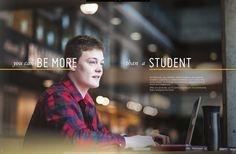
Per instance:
{"type": "Point", "coordinates": [139, 141]}
{"type": "Point", "coordinates": [161, 139]}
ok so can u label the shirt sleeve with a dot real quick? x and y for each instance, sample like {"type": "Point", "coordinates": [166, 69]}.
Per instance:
{"type": "Point", "coordinates": [64, 115]}
{"type": "Point", "coordinates": [101, 127]}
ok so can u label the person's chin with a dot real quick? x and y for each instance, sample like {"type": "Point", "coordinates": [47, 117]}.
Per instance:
{"type": "Point", "coordinates": [94, 86]}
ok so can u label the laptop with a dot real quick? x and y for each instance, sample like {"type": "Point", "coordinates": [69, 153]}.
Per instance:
{"type": "Point", "coordinates": [187, 145]}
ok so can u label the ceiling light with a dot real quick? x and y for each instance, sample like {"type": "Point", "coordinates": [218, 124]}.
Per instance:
{"type": "Point", "coordinates": [100, 100]}
{"type": "Point", "coordinates": [135, 36]}
{"type": "Point", "coordinates": [89, 8]}
{"type": "Point", "coordinates": [152, 47]}
{"type": "Point", "coordinates": [47, 83]}
{"type": "Point", "coordinates": [213, 56]}
{"type": "Point", "coordinates": [150, 111]}
{"type": "Point", "coordinates": [115, 21]}
{"type": "Point", "coordinates": [134, 106]}
{"type": "Point", "coordinates": [105, 101]}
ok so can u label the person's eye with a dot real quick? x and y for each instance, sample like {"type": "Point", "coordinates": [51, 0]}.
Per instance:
{"type": "Point", "coordinates": [92, 62]}
{"type": "Point", "coordinates": [102, 63]}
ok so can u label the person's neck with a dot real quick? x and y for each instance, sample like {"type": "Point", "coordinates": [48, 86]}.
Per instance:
{"type": "Point", "coordinates": [83, 90]}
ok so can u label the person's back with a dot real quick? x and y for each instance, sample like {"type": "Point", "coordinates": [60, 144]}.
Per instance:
{"type": "Point", "coordinates": [62, 117]}
{"type": "Point", "coordinates": [40, 134]}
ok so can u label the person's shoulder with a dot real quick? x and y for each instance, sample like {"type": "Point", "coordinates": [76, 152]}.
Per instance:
{"type": "Point", "coordinates": [55, 95]}
{"type": "Point", "coordinates": [56, 90]}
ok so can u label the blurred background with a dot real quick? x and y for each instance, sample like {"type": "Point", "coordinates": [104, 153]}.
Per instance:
{"type": "Point", "coordinates": [131, 32]}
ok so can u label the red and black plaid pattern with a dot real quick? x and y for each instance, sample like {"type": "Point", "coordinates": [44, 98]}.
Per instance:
{"type": "Point", "coordinates": [62, 109]}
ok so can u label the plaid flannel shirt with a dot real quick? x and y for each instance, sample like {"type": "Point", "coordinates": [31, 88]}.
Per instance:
{"type": "Point", "coordinates": [62, 109]}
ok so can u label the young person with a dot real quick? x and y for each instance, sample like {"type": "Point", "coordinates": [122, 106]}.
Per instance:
{"type": "Point", "coordinates": [66, 109]}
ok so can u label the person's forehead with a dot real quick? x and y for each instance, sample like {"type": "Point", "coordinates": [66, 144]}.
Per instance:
{"type": "Point", "coordinates": [95, 53]}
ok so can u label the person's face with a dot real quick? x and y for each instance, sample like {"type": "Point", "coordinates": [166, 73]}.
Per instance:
{"type": "Point", "coordinates": [90, 68]}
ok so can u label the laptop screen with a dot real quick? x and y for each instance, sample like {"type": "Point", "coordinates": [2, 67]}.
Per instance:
{"type": "Point", "coordinates": [193, 120]}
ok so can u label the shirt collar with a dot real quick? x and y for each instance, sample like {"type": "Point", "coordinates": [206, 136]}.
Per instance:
{"type": "Point", "coordinates": [66, 81]}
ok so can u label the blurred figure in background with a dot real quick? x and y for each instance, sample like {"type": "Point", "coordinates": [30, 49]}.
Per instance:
{"type": "Point", "coordinates": [174, 135]}
{"type": "Point", "coordinates": [67, 112]}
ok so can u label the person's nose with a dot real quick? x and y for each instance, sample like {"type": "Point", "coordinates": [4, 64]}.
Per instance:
{"type": "Point", "coordinates": [99, 69]}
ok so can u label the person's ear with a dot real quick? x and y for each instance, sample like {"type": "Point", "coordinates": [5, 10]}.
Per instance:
{"type": "Point", "coordinates": [73, 65]}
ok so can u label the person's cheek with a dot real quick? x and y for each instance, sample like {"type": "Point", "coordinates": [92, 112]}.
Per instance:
{"type": "Point", "coordinates": [101, 73]}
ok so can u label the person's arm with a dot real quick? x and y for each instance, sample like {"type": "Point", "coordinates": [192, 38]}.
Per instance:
{"type": "Point", "coordinates": [102, 127]}
{"type": "Point", "coordinates": [66, 116]}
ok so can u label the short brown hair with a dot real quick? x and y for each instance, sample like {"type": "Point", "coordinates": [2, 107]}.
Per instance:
{"type": "Point", "coordinates": [78, 44]}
